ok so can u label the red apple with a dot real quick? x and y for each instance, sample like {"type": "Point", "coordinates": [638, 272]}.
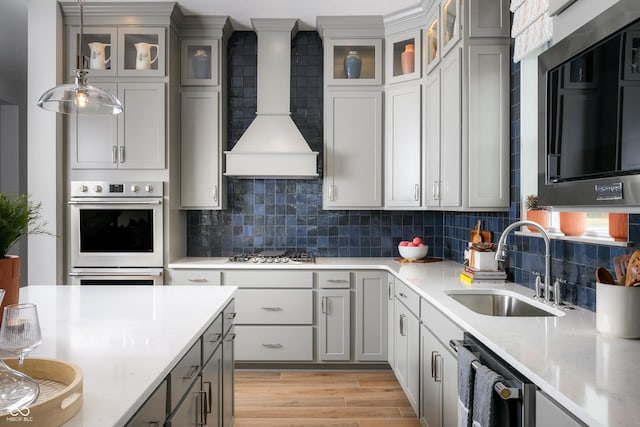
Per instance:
{"type": "Point", "coordinates": [404, 243]}
{"type": "Point", "coordinates": [417, 241]}
{"type": "Point", "coordinates": [411, 244]}
{"type": "Point", "coordinates": [421, 245]}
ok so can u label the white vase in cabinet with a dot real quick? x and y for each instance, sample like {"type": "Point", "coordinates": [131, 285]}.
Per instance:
{"type": "Point", "coordinates": [201, 151]}
{"type": "Point", "coordinates": [134, 139]}
{"type": "Point", "coordinates": [353, 150]}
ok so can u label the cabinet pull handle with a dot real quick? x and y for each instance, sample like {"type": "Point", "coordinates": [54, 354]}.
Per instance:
{"type": "Point", "coordinates": [402, 332]}
{"type": "Point", "coordinates": [197, 279]}
{"type": "Point", "coordinates": [436, 190]}
{"type": "Point", "coordinates": [121, 154]}
{"type": "Point", "coordinates": [213, 338]}
{"type": "Point", "coordinates": [192, 372]}
{"type": "Point", "coordinates": [323, 305]}
{"type": "Point", "coordinates": [402, 294]}
{"type": "Point", "coordinates": [275, 308]}
{"type": "Point", "coordinates": [215, 193]}
{"type": "Point", "coordinates": [272, 345]}
{"type": "Point", "coordinates": [433, 363]}
{"type": "Point", "coordinates": [114, 154]}
{"type": "Point", "coordinates": [208, 394]}
{"type": "Point", "coordinates": [154, 423]}
{"type": "Point", "coordinates": [230, 316]}
{"type": "Point", "coordinates": [416, 192]}
{"type": "Point", "coordinates": [202, 408]}
{"type": "Point", "coordinates": [438, 369]}
{"type": "Point", "coordinates": [331, 193]}
{"type": "Point", "coordinates": [337, 281]}
{"type": "Point", "coordinates": [390, 291]}
{"type": "Point", "coordinates": [230, 337]}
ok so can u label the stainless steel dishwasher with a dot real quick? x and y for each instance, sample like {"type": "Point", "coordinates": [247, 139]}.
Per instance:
{"type": "Point", "coordinates": [518, 392]}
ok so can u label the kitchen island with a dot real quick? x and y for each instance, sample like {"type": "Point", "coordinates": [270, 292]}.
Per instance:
{"type": "Point", "coordinates": [593, 376]}
{"type": "Point", "coordinates": [126, 339]}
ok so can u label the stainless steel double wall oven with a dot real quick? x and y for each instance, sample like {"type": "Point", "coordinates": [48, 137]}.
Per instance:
{"type": "Point", "coordinates": [116, 233]}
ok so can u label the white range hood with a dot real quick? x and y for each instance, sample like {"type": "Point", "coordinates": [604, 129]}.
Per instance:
{"type": "Point", "coordinates": [272, 146]}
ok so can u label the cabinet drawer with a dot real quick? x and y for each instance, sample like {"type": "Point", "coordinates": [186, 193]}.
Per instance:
{"type": "Point", "coordinates": [274, 306]}
{"type": "Point", "coordinates": [269, 279]}
{"type": "Point", "coordinates": [334, 279]}
{"type": "Point", "coordinates": [211, 338]}
{"type": "Point", "coordinates": [184, 374]}
{"type": "Point", "coordinates": [153, 411]}
{"type": "Point", "coordinates": [271, 343]}
{"type": "Point", "coordinates": [408, 297]}
{"type": "Point", "coordinates": [439, 324]}
{"type": "Point", "coordinates": [193, 277]}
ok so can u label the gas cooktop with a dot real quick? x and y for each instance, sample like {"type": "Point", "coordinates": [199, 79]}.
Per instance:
{"type": "Point", "coordinates": [274, 257]}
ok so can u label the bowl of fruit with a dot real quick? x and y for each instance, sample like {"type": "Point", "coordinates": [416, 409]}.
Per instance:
{"type": "Point", "coordinates": [413, 249]}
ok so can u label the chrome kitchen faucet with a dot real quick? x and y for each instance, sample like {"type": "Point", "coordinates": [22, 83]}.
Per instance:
{"type": "Point", "coordinates": [501, 253]}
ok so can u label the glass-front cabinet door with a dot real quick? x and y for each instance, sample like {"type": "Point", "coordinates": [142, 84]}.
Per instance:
{"type": "Point", "coordinates": [403, 57]}
{"type": "Point", "coordinates": [450, 24]}
{"type": "Point", "coordinates": [97, 53]}
{"type": "Point", "coordinates": [354, 62]}
{"type": "Point", "coordinates": [632, 55]}
{"type": "Point", "coordinates": [199, 62]}
{"type": "Point", "coordinates": [432, 39]}
{"type": "Point", "coordinates": [141, 52]}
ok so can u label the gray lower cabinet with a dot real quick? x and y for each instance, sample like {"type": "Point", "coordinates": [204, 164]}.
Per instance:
{"type": "Point", "coordinates": [550, 413]}
{"type": "Point", "coordinates": [372, 290]}
{"type": "Point", "coordinates": [199, 389]}
{"type": "Point", "coordinates": [439, 379]}
{"type": "Point", "coordinates": [153, 411]}
{"type": "Point", "coordinates": [334, 324]}
{"type": "Point", "coordinates": [407, 352]}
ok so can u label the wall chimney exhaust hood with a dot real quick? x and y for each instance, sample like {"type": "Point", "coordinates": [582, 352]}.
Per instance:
{"type": "Point", "coordinates": [272, 146]}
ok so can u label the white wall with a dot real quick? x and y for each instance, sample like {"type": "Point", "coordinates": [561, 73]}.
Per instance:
{"type": "Point", "coordinates": [44, 147]}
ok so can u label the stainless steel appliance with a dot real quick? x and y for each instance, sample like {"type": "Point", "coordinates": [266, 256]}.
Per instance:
{"type": "Point", "coordinates": [274, 257]}
{"type": "Point", "coordinates": [116, 232]}
{"type": "Point", "coordinates": [517, 391]}
{"type": "Point", "coordinates": [589, 99]}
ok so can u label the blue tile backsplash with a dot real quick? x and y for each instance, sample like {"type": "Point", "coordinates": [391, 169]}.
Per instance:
{"type": "Point", "coordinates": [287, 214]}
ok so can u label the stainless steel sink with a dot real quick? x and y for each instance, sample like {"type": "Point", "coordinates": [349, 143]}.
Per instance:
{"type": "Point", "coordinates": [503, 304]}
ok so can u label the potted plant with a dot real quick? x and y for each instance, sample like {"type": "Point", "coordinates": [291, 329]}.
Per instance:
{"type": "Point", "coordinates": [19, 217]}
{"type": "Point", "coordinates": [537, 213]}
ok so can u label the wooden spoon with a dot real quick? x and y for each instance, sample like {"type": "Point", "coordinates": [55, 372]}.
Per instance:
{"type": "Point", "coordinates": [476, 236]}
{"type": "Point", "coordinates": [620, 265]}
{"type": "Point", "coordinates": [603, 276]}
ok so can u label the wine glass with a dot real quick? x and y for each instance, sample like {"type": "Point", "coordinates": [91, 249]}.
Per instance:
{"type": "Point", "coordinates": [20, 330]}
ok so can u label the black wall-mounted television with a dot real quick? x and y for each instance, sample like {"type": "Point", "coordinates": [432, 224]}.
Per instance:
{"type": "Point", "coordinates": [589, 128]}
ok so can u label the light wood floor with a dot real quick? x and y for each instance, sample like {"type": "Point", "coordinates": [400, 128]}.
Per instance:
{"type": "Point", "coordinates": [321, 398]}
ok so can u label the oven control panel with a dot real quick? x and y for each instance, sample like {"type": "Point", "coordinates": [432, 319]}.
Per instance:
{"type": "Point", "coordinates": [116, 189]}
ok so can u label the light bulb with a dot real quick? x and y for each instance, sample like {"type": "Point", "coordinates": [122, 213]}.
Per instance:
{"type": "Point", "coordinates": [81, 99]}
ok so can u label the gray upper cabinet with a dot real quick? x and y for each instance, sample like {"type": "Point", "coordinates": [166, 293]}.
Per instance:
{"type": "Point", "coordinates": [202, 112]}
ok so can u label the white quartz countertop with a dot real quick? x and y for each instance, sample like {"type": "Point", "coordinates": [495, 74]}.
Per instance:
{"type": "Point", "coordinates": [595, 377]}
{"type": "Point", "coordinates": [125, 339]}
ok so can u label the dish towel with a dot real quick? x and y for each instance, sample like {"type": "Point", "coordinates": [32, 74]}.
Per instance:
{"type": "Point", "coordinates": [465, 386]}
{"type": "Point", "coordinates": [489, 410]}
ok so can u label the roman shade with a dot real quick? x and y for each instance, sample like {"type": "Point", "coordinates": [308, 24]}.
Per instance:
{"type": "Point", "coordinates": [532, 26]}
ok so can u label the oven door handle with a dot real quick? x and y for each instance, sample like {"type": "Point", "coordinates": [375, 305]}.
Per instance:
{"type": "Point", "coordinates": [117, 273]}
{"type": "Point", "coordinates": [114, 202]}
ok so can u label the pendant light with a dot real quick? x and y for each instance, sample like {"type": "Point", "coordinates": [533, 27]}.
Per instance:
{"type": "Point", "coordinates": [79, 97]}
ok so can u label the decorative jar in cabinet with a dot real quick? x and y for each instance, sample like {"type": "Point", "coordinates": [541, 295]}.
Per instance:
{"type": "Point", "coordinates": [199, 62]}
{"type": "Point", "coordinates": [97, 53]}
{"type": "Point", "coordinates": [354, 62]}
{"type": "Point", "coordinates": [403, 56]}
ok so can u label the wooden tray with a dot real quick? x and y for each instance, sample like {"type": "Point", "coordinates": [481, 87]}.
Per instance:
{"type": "Point", "coordinates": [60, 393]}
{"type": "Point", "coordinates": [417, 261]}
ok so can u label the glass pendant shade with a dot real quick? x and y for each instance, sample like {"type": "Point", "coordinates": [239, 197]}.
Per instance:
{"type": "Point", "coordinates": [79, 98]}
